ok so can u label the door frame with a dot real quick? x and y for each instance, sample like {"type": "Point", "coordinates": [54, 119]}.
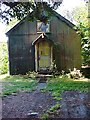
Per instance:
{"type": "Point", "coordinates": [36, 56]}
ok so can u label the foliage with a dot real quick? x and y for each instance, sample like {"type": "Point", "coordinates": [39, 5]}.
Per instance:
{"type": "Point", "coordinates": [80, 15]}
{"type": "Point", "coordinates": [20, 10]}
{"type": "Point", "coordinates": [32, 75]}
{"type": "Point", "coordinates": [52, 110]}
{"type": "Point", "coordinates": [11, 24]}
{"type": "Point", "coordinates": [14, 84]}
{"type": "Point", "coordinates": [45, 116]}
{"type": "Point", "coordinates": [3, 58]}
{"type": "Point", "coordinates": [82, 30]}
{"type": "Point", "coordinates": [53, 68]}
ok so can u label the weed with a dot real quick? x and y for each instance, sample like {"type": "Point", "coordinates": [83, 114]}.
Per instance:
{"type": "Point", "coordinates": [32, 74]}
{"type": "Point", "coordinates": [45, 116]}
{"type": "Point", "coordinates": [54, 108]}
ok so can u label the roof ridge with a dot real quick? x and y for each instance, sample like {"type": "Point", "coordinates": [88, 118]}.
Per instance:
{"type": "Point", "coordinates": [55, 13]}
{"type": "Point", "coordinates": [64, 19]}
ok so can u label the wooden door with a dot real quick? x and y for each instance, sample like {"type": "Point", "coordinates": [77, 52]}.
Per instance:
{"type": "Point", "coordinates": [44, 55]}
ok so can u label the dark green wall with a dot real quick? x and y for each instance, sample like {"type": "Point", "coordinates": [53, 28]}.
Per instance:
{"type": "Point", "coordinates": [21, 55]}
{"type": "Point", "coordinates": [21, 50]}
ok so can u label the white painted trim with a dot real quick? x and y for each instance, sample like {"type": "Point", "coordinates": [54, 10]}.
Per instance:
{"type": "Point", "coordinates": [36, 58]}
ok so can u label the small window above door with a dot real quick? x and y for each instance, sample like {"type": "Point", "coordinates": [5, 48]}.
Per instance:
{"type": "Point", "coordinates": [43, 27]}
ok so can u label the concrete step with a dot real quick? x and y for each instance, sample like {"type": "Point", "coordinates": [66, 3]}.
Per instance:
{"type": "Point", "coordinates": [42, 78]}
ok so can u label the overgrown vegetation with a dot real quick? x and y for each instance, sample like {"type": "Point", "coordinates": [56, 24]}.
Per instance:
{"type": "Point", "coordinates": [54, 108]}
{"type": "Point", "coordinates": [32, 75]}
{"type": "Point", "coordinates": [45, 116]}
{"type": "Point", "coordinates": [14, 84]}
{"type": "Point", "coordinates": [3, 58]}
{"type": "Point", "coordinates": [62, 83]}
{"type": "Point", "coordinates": [82, 30]}
{"type": "Point", "coordinates": [51, 111]}
{"type": "Point", "coordinates": [80, 15]}
{"type": "Point", "coordinates": [56, 84]}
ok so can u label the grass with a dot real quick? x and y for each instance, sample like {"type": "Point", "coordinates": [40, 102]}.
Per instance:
{"type": "Point", "coordinates": [58, 85]}
{"type": "Point", "coordinates": [14, 84]}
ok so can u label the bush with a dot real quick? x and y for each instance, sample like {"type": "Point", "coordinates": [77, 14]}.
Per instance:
{"type": "Point", "coordinates": [32, 74]}
{"type": "Point", "coordinates": [3, 58]}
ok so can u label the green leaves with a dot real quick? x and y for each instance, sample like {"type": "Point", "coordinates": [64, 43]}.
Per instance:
{"type": "Point", "coordinates": [3, 58]}
{"type": "Point", "coordinates": [80, 15]}
{"type": "Point", "coordinates": [20, 10]}
{"type": "Point", "coordinates": [85, 43]}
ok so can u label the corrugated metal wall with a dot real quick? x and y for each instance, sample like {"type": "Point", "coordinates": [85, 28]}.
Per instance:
{"type": "Point", "coordinates": [69, 54]}
{"type": "Point", "coordinates": [21, 51]}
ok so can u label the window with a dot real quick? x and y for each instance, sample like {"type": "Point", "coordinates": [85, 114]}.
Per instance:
{"type": "Point", "coordinates": [43, 27]}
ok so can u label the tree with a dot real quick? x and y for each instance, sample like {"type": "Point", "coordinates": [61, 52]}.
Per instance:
{"type": "Point", "coordinates": [80, 15]}
{"type": "Point", "coordinates": [3, 58]}
{"type": "Point", "coordinates": [20, 10]}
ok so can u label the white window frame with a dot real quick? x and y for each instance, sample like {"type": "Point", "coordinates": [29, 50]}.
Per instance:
{"type": "Point", "coordinates": [37, 27]}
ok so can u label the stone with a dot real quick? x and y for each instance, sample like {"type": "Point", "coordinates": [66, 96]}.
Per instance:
{"type": "Point", "coordinates": [33, 114]}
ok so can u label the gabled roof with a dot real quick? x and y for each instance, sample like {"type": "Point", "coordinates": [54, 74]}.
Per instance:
{"type": "Point", "coordinates": [70, 24]}
{"type": "Point", "coordinates": [63, 19]}
{"type": "Point", "coordinates": [41, 37]}
{"type": "Point", "coordinates": [14, 27]}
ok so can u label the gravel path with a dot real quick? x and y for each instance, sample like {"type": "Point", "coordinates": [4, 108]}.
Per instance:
{"type": "Point", "coordinates": [74, 104]}
{"type": "Point", "coordinates": [22, 104]}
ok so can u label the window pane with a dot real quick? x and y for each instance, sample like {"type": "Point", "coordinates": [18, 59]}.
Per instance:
{"type": "Point", "coordinates": [42, 27]}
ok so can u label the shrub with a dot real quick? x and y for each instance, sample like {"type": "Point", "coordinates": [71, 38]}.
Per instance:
{"type": "Point", "coordinates": [32, 74]}
{"type": "Point", "coordinates": [53, 68]}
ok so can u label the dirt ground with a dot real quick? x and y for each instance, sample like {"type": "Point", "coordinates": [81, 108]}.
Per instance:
{"type": "Point", "coordinates": [74, 104]}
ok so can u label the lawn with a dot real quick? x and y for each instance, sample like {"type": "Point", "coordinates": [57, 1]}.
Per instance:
{"type": "Point", "coordinates": [60, 84]}
{"type": "Point", "coordinates": [53, 90]}
{"type": "Point", "coordinates": [17, 83]}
